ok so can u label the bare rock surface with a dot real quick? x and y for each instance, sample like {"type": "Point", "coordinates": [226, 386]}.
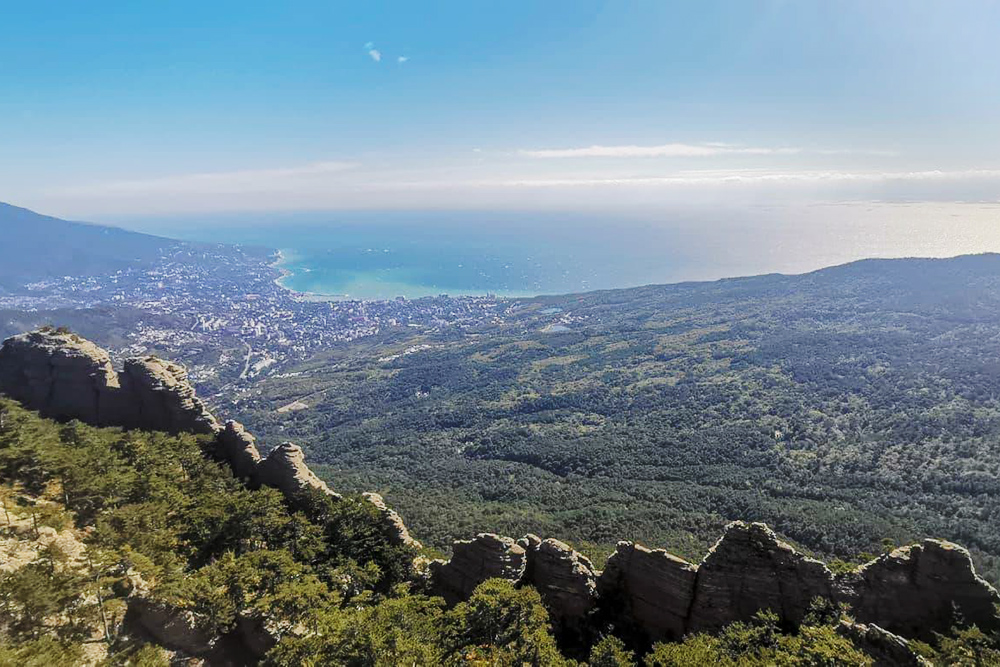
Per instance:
{"type": "Point", "coordinates": [176, 629]}
{"type": "Point", "coordinates": [164, 398]}
{"type": "Point", "coordinates": [396, 530]}
{"type": "Point", "coordinates": [566, 580]}
{"type": "Point", "coordinates": [285, 469]}
{"type": "Point", "coordinates": [750, 569]}
{"type": "Point", "coordinates": [488, 556]}
{"type": "Point", "coordinates": [237, 447]}
{"type": "Point", "coordinates": [64, 376]}
{"type": "Point", "coordinates": [653, 588]}
{"type": "Point", "coordinates": [916, 590]}
{"type": "Point", "coordinates": [885, 648]}
{"type": "Point", "coordinates": [59, 374]}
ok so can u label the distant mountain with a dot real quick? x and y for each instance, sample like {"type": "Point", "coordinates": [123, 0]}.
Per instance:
{"type": "Point", "coordinates": [35, 246]}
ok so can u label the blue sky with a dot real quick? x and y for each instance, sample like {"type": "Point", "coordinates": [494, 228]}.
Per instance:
{"type": "Point", "coordinates": [135, 108]}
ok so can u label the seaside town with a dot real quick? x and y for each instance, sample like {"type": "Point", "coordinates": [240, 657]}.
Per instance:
{"type": "Point", "coordinates": [222, 310]}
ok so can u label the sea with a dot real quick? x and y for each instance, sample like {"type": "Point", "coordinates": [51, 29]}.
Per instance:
{"type": "Point", "coordinates": [387, 254]}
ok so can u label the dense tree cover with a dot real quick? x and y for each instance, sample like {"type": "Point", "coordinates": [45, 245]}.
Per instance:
{"type": "Point", "coordinates": [154, 518]}
{"type": "Point", "coordinates": [843, 408]}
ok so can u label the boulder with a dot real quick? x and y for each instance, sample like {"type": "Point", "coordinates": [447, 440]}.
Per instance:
{"type": "Point", "coordinates": [650, 589]}
{"type": "Point", "coordinates": [750, 569]}
{"type": "Point", "coordinates": [488, 556]}
{"type": "Point", "coordinates": [171, 627]}
{"type": "Point", "coordinates": [237, 447]}
{"type": "Point", "coordinates": [916, 591]}
{"type": "Point", "coordinates": [566, 580]}
{"type": "Point", "coordinates": [285, 469]}
{"type": "Point", "coordinates": [883, 647]}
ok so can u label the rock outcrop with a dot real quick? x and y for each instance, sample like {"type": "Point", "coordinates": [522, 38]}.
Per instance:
{"type": "Point", "coordinates": [395, 529]}
{"type": "Point", "coordinates": [750, 569]}
{"type": "Point", "coordinates": [64, 376]}
{"type": "Point", "coordinates": [883, 647]}
{"type": "Point", "coordinates": [285, 469]}
{"type": "Point", "coordinates": [917, 590]}
{"type": "Point", "coordinates": [652, 589]}
{"type": "Point", "coordinates": [163, 398]}
{"type": "Point", "coordinates": [566, 580]}
{"type": "Point", "coordinates": [61, 375]}
{"type": "Point", "coordinates": [488, 556]}
{"type": "Point", "coordinates": [237, 447]}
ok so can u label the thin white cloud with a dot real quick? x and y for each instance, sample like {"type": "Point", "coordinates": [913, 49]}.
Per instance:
{"type": "Point", "coordinates": [664, 150]}
{"type": "Point", "coordinates": [375, 54]}
{"type": "Point", "coordinates": [758, 177]}
{"type": "Point", "coordinates": [402, 59]}
{"type": "Point", "coordinates": [249, 180]}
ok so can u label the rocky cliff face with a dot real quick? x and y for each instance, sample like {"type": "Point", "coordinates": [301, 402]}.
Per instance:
{"type": "Point", "coordinates": [911, 592]}
{"type": "Point", "coordinates": [488, 556]}
{"type": "Point", "coordinates": [918, 590]}
{"type": "Point", "coordinates": [64, 376]}
{"type": "Point", "coordinates": [566, 580]}
{"type": "Point", "coordinates": [750, 569]}
{"type": "Point", "coordinates": [651, 587]}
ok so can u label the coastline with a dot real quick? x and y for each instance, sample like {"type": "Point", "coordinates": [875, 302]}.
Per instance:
{"type": "Point", "coordinates": [285, 273]}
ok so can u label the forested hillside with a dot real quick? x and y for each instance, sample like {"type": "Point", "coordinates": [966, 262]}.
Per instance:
{"type": "Point", "coordinates": [133, 548]}
{"type": "Point", "coordinates": [847, 408]}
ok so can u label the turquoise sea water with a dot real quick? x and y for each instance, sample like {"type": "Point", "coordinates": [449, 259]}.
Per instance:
{"type": "Point", "coordinates": [432, 254]}
{"type": "Point", "coordinates": [382, 255]}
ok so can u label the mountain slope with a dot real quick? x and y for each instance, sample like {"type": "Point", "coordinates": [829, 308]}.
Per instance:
{"type": "Point", "coordinates": [843, 407]}
{"type": "Point", "coordinates": [38, 246]}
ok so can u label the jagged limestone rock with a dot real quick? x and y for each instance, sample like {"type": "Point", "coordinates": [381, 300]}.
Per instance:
{"type": "Point", "coordinates": [885, 648]}
{"type": "Point", "coordinates": [566, 580]}
{"type": "Point", "coordinates": [916, 590]}
{"type": "Point", "coordinates": [651, 588]}
{"type": "Point", "coordinates": [59, 374]}
{"type": "Point", "coordinates": [488, 556]}
{"type": "Point", "coordinates": [750, 569]}
{"type": "Point", "coordinates": [395, 528]}
{"type": "Point", "coordinates": [237, 447]}
{"type": "Point", "coordinates": [165, 398]}
{"type": "Point", "coordinates": [64, 376]}
{"type": "Point", "coordinates": [285, 469]}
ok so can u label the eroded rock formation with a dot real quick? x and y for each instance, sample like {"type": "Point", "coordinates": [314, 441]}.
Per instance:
{"type": "Point", "coordinates": [912, 592]}
{"type": "Point", "coordinates": [654, 589]}
{"type": "Point", "coordinates": [162, 398]}
{"type": "Point", "coordinates": [883, 647]}
{"type": "Point", "coordinates": [285, 469]}
{"type": "Point", "coordinates": [396, 530]}
{"type": "Point", "coordinates": [750, 569]}
{"type": "Point", "coordinates": [918, 590]}
{"type": "Point", "coordinates": [566, 580]}
{"type": "Point", "coordinates": [488, 556]}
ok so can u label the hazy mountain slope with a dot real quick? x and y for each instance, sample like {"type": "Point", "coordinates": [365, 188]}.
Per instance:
{"type": "Point", "coordinates": [36, 246]}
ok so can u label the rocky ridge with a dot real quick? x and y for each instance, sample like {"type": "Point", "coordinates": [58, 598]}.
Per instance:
{"type": "Point", "coordinates": [64, 376]}
{"type": "Point", "coordinates": [912, 592]}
